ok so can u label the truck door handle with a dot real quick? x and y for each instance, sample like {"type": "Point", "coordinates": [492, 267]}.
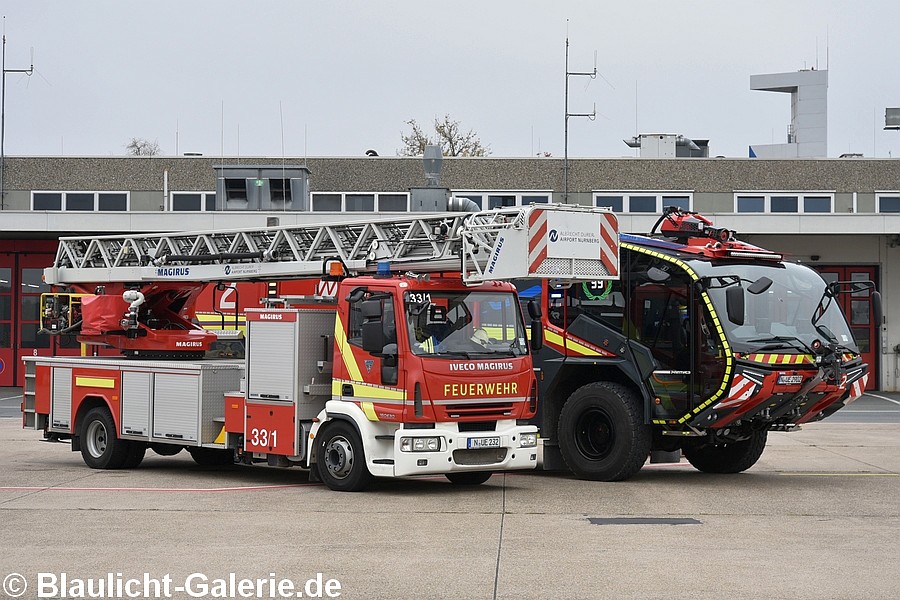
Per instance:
{"type": "Point", "coordinates": [346, 389]}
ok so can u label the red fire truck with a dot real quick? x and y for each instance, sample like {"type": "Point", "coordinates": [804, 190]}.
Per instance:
{"type": "Point", "coordinates": [422, 367]}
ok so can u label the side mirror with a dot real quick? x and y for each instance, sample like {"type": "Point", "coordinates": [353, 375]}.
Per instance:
{"type": "Point", "coordinates": [389, 365]}
{"type": "Point", "coordinates": [534, 310]}
{"type": "Point", "coordinates": [373, 336]}
{"type": "Point", "coordinates": [734, 304]}
{"type": "Point", "coordinates": [537, 335]}
{"type": "Point", "coordinates": [877, 310]}
{"type": "Point", "coordinates": [759, 286]}
{"type": "Point", "coordinates": [372, 327]}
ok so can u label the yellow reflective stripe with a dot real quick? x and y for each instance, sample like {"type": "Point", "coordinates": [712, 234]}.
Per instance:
{"type": "Point", "coordinates": [368, 390]}
{"type": "Point", "coordinates": [340, 338]}
{"type": "Point", "coordinates": [553, 337]}
{"type": "Point", "coordinates": [100, 382]}
{"type": "Point", "coordinates": [573, 345]}
{"type": "Point", "coordinates": [726, 347]}
{"type": "Point", "coordinates": [369, 409]}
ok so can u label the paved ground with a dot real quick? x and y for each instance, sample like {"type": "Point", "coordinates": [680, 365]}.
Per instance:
{"type": "Point", "coordinates": [817, 517]}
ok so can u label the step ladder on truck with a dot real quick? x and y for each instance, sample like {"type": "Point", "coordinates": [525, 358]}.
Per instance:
{"type": "Point", "coordinates": [411, 359]}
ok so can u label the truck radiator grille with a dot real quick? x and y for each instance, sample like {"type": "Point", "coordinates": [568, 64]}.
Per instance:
{"type": "Point", "coordinates": [482, 456]}
{"type": "Point", "coordinates": [484, 411]}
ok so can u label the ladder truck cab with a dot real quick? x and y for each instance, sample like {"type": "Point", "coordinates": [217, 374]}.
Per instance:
{"type": "Point", "coordinates": [412, 357]}
{"type": "Point", "coordinates": [703, 346]}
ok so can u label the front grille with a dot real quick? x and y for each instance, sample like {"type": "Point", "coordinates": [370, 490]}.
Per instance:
{"type": "Point", "coordinates": [494, 410]}
{"type": "Point", "coordinates": [482, 456]}
{"type": "Point", "coordinates": [478, 426]}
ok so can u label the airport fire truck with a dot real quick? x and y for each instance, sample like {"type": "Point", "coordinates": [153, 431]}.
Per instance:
{"type": "Point", "coordinates": [411, 358]}
{"type": "Point", "coordinates": [703, 346]}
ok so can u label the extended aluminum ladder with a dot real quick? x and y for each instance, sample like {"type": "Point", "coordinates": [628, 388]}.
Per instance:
{"type": "Point", "coordinates": [499, 244]}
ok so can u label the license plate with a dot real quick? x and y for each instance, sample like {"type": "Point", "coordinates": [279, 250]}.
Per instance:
{"type": "Point", "coordinates": [790, 379]}
{"type": "Point", "coordinates": [488, 442]}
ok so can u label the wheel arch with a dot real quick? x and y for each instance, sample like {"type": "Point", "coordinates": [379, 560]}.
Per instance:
{"type": "Point", "coordinates": [337, 410]}
{"type": "Point", "coordinates": [571, 377]}
{"type": "Point", "coordinates": [87, 404]}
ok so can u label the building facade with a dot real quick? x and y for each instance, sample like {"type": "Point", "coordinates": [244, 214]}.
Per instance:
{"type": "Point", "coordinates": [841, 216]}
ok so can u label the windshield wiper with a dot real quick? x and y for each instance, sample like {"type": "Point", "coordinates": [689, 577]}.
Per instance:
{"type": "Point", "coordinates": [780, 341]}
{"type": "Point", "coordinates": [454, 353]}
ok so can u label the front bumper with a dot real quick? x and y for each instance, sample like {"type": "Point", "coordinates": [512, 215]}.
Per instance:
{"type": "Point", "coordinates": [455, 454]}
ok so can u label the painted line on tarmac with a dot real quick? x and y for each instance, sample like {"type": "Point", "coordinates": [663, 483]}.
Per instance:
{"type": "Point", "coordinates": [11, 397]}
{"type": "Point", "coordinates": [841, 474]}
{"type": "Point", "coordinates": [883, 398]}
{"type": "Point", "coordinates": [143, 489]}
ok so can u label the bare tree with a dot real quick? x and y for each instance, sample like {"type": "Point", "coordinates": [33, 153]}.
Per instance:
{"type": "Point", "coordinates": [447, 134]}
{"type": "Point", "coordinates": [143, 147]}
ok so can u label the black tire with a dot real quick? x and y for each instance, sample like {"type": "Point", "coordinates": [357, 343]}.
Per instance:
{"type": "Point", "coordinates": [468, 477]}
{"type": "Point", "coordinates": [101, 448]}
{"type": "Point", "coordinates": [340, 459]}
{"type": "Point", "coordinates": [211, 457]}
{"type": "Point", "coordinates": [732, 457]}
{"type": "Point", "coordinates": [136, 452]}
{"type": "Point", "coordinates": [602, 435]}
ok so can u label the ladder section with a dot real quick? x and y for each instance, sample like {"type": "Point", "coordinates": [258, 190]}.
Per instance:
{"type": "Point", "coordinates": [491, 245]}
{"type": "Point", "coordinates": [430, 241]}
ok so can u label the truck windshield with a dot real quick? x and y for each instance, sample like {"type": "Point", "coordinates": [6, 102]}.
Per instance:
{"type": "Point", "coordinates": [464, 324]}
{"type": "Point", "coordinates": [781, 316]}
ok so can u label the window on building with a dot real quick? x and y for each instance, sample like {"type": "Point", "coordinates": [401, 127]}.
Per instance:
{"type": "Point", "coordinates": [817, 204]}
{"type": "Point", "coordinates": [235, 190]}
{"type": "Point", "coordinates": [326, 202]}
{"type": "Point", "coordinates": [888, 203]}
{"type": "Point", "coordinates": [751, 204]}
{"type": "Point", "coordinates": [643, 202]}
{"type": "Point", "coordinates": [46, 201]}
{"type": "Point", "coordinates": [615, 203]}
{"type": "Point", "coordinates": [187, 202]}
{"type": "Point", "coordinates": [117, 201]}
{"type": "Point", "coordinates": [501, 201]}
{"type": "Point", "coordinates": [193, 201]}
{"type": "Point", "coordinates": [784, 204]}
{"type": "Point", "coordinates": [393, 202]}
{"type": "Point", "coordinates": [80, 201]}
{"type": "Point", "coordinates": [682, 202]}
{"type": "Point", "coordinates": [488, 199]}
{"type": "Point", "coordinates": [280, 190]}
{"type": "Point", "coordinates": [359, 202]}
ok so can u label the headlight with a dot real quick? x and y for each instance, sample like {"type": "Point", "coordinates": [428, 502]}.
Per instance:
{"type": "Point", "coordinates": [527, 440]}
{"type": "Point", "coordinates": [420, 444]}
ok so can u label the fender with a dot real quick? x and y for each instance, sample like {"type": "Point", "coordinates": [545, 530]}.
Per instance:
{"type": "Point", "coordinates": [373, 448]}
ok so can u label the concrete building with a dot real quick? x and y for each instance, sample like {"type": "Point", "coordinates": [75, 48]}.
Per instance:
{"type": "Point", "coordinates": [841, 216]}
{"type": "Point", "coordinates": [807, 135]}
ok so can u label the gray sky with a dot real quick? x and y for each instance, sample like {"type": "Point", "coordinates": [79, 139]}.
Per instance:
{"type": "Point", "coordinates": [344, 75]}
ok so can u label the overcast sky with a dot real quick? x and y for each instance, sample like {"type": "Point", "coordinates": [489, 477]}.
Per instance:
{"type": "Point", "coordinates": [337, 78]}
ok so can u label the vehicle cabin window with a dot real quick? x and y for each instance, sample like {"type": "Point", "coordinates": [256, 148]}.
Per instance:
{"type": "Point", "coordinates": [355, 322]}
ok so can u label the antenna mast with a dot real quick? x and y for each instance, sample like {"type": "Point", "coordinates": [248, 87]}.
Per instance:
{"type": "Point", "coordinates": [28, 72]}
{"type": "Point", "coordinates": [591, 115]}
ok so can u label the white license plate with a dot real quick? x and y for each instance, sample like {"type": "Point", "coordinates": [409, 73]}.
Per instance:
{"type": "Point", "coordinates": [487, 442]}
{"type": "Point", "coordinates": [790, 379]}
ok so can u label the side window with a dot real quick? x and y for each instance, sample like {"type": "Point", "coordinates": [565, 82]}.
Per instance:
{"type": "Point", "coordinates": [660, 310]}
{"type": "Point", "coordinates": [602, 301]}
{"type": "Point", "coordinates": [354, 326]}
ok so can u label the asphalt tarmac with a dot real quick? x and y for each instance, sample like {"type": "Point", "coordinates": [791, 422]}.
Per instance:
{"type": "Point", "coordinates": [817, 517]}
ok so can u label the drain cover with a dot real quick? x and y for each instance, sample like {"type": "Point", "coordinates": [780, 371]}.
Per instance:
{"type": "Point", "coordinates": [643, 521]}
